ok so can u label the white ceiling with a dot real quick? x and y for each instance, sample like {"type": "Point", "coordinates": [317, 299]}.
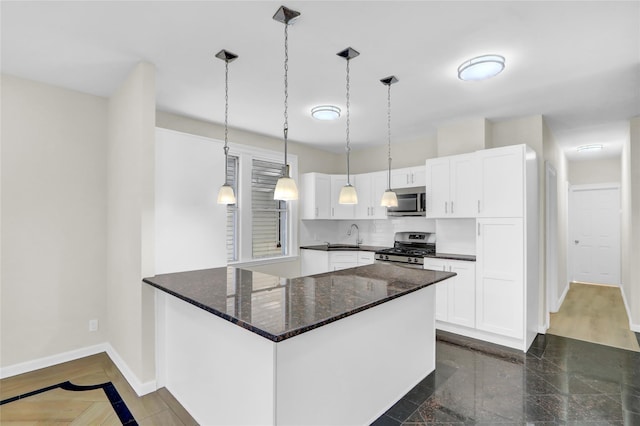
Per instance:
{"type": "Point", "coordinates": [577, 63]}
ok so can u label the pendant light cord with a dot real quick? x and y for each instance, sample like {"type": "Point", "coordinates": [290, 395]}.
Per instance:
{"type": "Point", "coordinates": [389, 133]}
{"type": "Point", "coordinates": [348, 148]}
{"type": "Point", "coordinates": [286, 96]}
{"type": "Point", "coordinates": [226, 119]}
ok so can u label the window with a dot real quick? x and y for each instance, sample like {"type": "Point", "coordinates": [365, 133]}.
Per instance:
{"type": "Point", "coordinates": [232, 210]}
{"type": "Point", "coordinates": [269, 216]}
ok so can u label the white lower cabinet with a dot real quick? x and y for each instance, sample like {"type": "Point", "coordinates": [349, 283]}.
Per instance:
{"type": "Point", "coordinates": [500, 277]}
{"type": "Point", "coordinates": [455, 297]}
{"type": "Point", "coordinates": [319, 261]}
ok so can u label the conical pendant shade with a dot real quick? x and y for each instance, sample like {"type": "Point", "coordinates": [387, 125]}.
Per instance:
{"type": "Point", "coordinates": [226, 195]}
{"type": "Point", "coordinates": [286, 189]}
{"type": "Point", "coordinates": [389, 199]}
{"type": "Point", "coordinates": [348, 195]}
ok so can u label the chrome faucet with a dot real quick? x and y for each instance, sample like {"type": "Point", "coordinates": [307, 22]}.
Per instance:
{"type": "Point", "coordinates": [358, 240]}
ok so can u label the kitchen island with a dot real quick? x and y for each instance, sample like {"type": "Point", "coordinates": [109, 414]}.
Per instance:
{"type": "Point", "coordinates": [241, 347]}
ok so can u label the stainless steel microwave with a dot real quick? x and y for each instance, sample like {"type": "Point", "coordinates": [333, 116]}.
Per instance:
{"type": "Point", "coordinates": [411, 202]}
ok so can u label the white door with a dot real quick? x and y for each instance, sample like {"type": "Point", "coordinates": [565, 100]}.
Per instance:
{"type": "Point", "coordinates": [594, 232]}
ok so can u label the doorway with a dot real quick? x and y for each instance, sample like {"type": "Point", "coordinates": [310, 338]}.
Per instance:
{"type": "Point", "coordinates": [594, 233]}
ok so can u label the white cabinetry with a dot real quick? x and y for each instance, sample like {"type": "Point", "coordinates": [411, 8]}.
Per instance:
{"type": "Point", "coordinates": [500, 256]}
{"type": "Point", "coordinates": [316, 195]}
{"type": "Point", "coordinates": [321, 261]}
{"type": "Point", "coordinates": [451, 186]}
{"type": "Point", "coordinates": [370, 188]}
{"type": "Point", "coordinates": [408, 177]}
{"type": "Point", "coordinates": [455, 297]}
{"type": "Point", "coordinates": [340, 211]}
{"type": "Point", "coordinates": [501, 173]}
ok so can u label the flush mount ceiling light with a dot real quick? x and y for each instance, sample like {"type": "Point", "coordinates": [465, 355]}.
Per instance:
{"type": "Point", "coordinates": [325, 112]}
{"type": "Point", "coordinates": [348, 194]}
{"type": "Point", "coordinates": [389, 198]}
{"type": "Point", "coordinates": [226, 195]}
{"type": "Point", "coordinates": [286, 188]}
{"type": "Point", "coordinates": [481, 68]}
{"type": "Point", "coordinates": [587, 148]}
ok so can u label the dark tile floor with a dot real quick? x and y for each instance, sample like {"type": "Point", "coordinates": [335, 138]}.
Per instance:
{"type": "Point", "coordinates": [560, 381]}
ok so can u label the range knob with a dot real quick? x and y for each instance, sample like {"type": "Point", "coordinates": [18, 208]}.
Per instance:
{"type": "Point", "coordinates": [386, 257]}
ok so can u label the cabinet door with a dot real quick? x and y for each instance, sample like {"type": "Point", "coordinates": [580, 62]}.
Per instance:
{"type": "Point", "coordinates": [502, 181]}
{"type": "Point", "coordinates": [342, 260]}
{"type": "Point", "coordinates": [462, 293]}
{"type": "Point", "coordinates": [400, 178]}
{"type": "Point", "coordinates": [500, 276]}
{"type": "Point", "coordinates": [363, 185]}
{"type": "Point", "coordinates": [316, 196]}
{"type": "Point", "coordinates": [442, 289]}
{"type": "Point", "coordinates": [314, 262]}
{"type": "Point", "coordinates": [340, 211]}
{"type": "Point", "coordinates": [437, 187]}
{"type": "Point", "coordinates": [366, 257]}
{"type": "Point", "coordinates": [378, 187]}
{"type": "Point", "coordinates": [463, 185]}
{"type": "Point", "coordinates": [418, 176]}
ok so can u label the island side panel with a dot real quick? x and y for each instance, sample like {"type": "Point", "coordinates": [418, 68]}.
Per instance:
{"type": "Point", "coordinates": [353, 370]}
{"type": "Point", "coordinates": [221, 373]}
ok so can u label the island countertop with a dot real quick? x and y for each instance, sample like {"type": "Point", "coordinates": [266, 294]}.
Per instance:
{"type": "Point", "coordinates": [279, 308]}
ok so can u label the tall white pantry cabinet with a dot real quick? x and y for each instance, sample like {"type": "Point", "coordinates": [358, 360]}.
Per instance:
{"type": "Point", "coordinates": [506, 214]}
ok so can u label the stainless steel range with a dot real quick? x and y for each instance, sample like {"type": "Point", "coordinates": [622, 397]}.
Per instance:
{"type": "Point", "coordinates": [409, 249]}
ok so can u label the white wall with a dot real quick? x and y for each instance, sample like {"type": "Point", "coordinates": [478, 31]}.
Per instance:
{"type": "Point", "coordinates": [190, 226]}
{"type": "Point", "coordinates": [403, 154]}
{"type": "Point", "coordinates": [631, 222]}
{"type": "Point", "coordinates": [464, 136]}
{"type": "Point", "coordinates": [130, 212]}
{"type": "Point", "coordinates": [54, 195]}
{"type": "Point", "coordinates": [585, 172]}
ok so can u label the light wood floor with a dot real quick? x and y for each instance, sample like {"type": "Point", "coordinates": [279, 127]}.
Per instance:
{"type": "Point", "coordinates": [594, 313]}
{"type": "Point", "coordinates": [83, 408]}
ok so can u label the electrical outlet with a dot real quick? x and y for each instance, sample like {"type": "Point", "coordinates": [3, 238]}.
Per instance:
{"type": "Point", "coordinates": [93, 325]}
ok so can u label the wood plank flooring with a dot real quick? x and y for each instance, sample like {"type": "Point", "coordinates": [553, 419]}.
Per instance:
{"type": "Point", "coordinates": [594, 313]}
{"type": "Point", "coordinates": [89, 407]}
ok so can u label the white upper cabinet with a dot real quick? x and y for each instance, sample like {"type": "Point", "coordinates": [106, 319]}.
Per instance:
{"type": "Point", "coordinates": [340, 211]}
{"type": "Point", "coordinates": [316, 195]}
{"type": "Point", "coordinates": [502, 191]}
{"type": "Point", "coordinates": [451, 186]}
{"type": "Point", "coordinates": [370, 187]}
{"type": "Point", "coordinates": [408, 177]}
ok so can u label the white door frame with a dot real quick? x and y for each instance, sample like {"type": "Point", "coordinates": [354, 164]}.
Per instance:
{"type": "Point", "coordinates": [572, 254]}
{"type": "Point", "coordinates": [551, 239]}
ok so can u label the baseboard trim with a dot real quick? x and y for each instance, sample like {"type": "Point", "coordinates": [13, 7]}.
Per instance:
{"type": "Point", "coordinates": [562, 296]}
{"type": "Point", "coordinates": [542, 328]}
{"type": "Point", "coordinates": [634, 327]}
{"type": "Point", "coordinates": [48, 361]}
{"type": "Point", "coordinates": [141, 388]}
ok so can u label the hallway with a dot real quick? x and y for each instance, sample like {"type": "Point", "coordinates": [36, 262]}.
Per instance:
{"type": "Point", "coordinates": [594, 313]}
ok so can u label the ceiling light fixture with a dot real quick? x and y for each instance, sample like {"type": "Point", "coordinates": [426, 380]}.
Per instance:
{"type": "Point", "coordinates": [325, 112]}
{"type": "Point", "coordinates": [286, 188]}
{"type": "Point", "coordinates": [389, 198]}
{"type": "Point", "coordinates": [226, 195]}
{"type": "Point", "coordinates": [348, 194]}
{"type": "Point", "coordinates": [481, 67]}
{"type": "Point", "coordinates": [591, 147]}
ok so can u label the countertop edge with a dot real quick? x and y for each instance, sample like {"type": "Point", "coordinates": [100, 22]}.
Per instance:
{"type": "Point", "coordinates": [292, 333]}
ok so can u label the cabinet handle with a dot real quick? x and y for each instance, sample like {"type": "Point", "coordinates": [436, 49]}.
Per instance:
{"type": "Point", "coordinates": [407, 178]}
{"type": "Point", "coordinates": [478, 206]}
{"type": "Point", "coordinates": [446, 207]}
{"type": "Point", "coordinates": [449, 268]}
{"type": "Point", "coordinates": [317, 212]}
{"type": "Point", "coordinates": [412, 177]}
{"type": "Point", "coordinates": [333, 211]}
{"type": "Point", "coordinates": [370, 211]}
{"type": "Point", "coordinates": [478, 229]}
{"type": "Point", "coordinates": [452, 207]}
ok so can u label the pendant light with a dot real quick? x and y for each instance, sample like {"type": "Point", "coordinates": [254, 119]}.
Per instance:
{"type": "Point", "coordinates": [226, 195]}
{"type": "Point", "coordinates": [389, 198]}
{"type": "Point", "coordinates": [348, 194]}
{"type": "Point", "coordinates": [286, 188]}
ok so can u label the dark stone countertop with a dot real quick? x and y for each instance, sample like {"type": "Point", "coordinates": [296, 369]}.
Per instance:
{"type": "Point", "coordinates": [279, 308]}
{"type": "Point", "coordinates": [345, 247]}
{"type": "Point", "coordinates": [453, 256]}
